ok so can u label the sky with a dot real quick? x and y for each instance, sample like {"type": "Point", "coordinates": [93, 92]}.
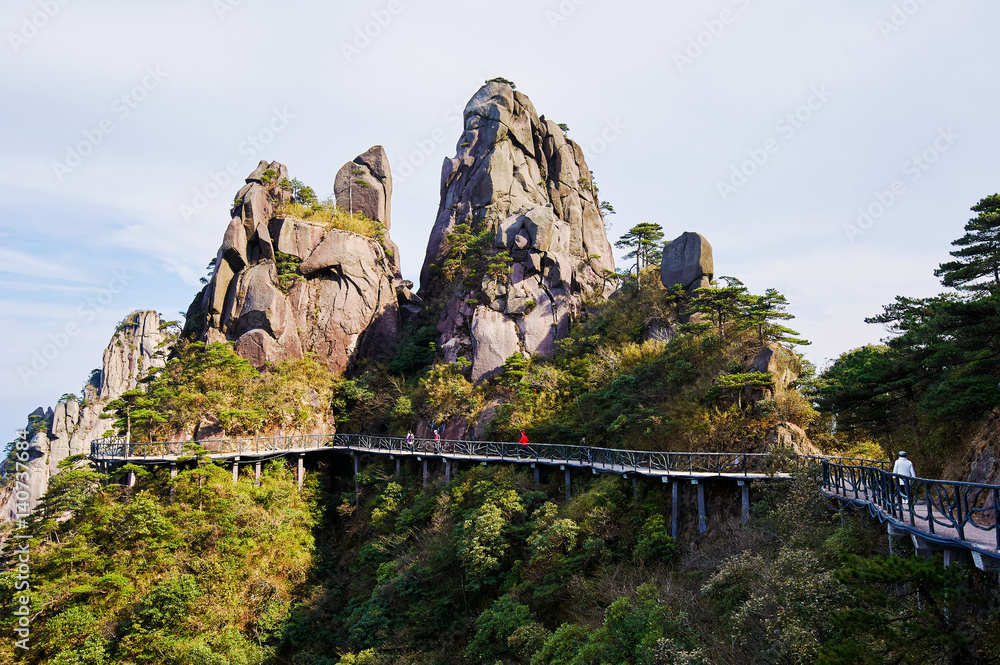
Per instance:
{"type": "Point", "coordinates": [829, 150]}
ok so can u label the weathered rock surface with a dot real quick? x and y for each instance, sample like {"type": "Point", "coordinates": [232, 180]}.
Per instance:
{"type": "Point", "coordinates": [137, 346]}
{"type": "Point", "coordinates": [984, 453]}
{"type": "Point", "coordinates": [518, 178]}
{"type": "Point", "coordinates": [687, 260]}
{"type": "Point", "coordinates": [782, 364]}
{"type": "Point", "coordinates": [789, 436]}
{"type": "Point", "coordinates": [341, 303]}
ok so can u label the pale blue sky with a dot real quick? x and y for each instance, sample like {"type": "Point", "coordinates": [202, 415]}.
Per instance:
{"type": "Point", "coordinates": [164, 95]}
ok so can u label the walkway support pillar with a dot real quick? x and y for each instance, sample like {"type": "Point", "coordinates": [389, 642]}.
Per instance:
{"type": "Point", "coordinates": [357, 470]}
{"type": "Point", "coordinates": [702, 519]}
{"type": "Point", "coordinates": [397, 466]}
{"type": "Point", "coordinates": [447, 470]}
{"type": "Point", "coordinates": [745, 491]}
{"type": "Point", "coordinates": [675, 509]}
{"type": "Point", "coordinates": [425, 472]}
{"type": "Point", "coordinates": [173, 487]}
{"type": "Point", "coordinates": [300, 471]}
{"type": "Point", "coordinates": [538, 475]}
{"type": "Point", "coordinates": [635, 487]}
{"type": "Point", "coordinates": [256, 473]}
{"type": "Point", "coordinates": [130, 479]}
{"type": "Point", "coordinates": [566, 472]}
{"type": "Point", "coordinates": [236, 470]}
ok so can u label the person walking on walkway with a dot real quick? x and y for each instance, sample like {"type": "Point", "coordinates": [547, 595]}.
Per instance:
{"type": "Point", "coordinates": [437, 441]}
{"type": "Point", "coordinates": [523, 442]}
{"type": "Point", "coordinates": [409, 440]}
{"type": "Point", "coordinates": [903, 467]}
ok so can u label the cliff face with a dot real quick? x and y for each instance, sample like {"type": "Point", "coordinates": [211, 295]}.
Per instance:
{"type": "Point", "coordinates": [137, 346]}
{"type": "Point", "coordinates": [517, 177]}
{"type": "Point", "coordinates": [284, 286]}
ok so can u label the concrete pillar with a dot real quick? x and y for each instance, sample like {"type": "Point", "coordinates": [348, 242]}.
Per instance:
{"type": "Point", "coordinates": [702, 519]}
{"type": "Point", "coordinates": [447, 470]}
{"type": "Point", "coordinates": [173, 474]}
{"type": "Point", "coordinates": [675, 509]}
{"type": "Point", "coordinates": [256, 473]}
{"type": "Point", "coordinates": [745, 491]}
{"type": "Point", "coordinates": [357, 470]}
{"type": "Point", "coordinates": [950, 557]}
{"type": "Point", "coordinates": [300, 471]}
{"type": "Point", "coordinates": [635, 487]}
{"type": "Point", "coordinates": [397, 467]}
{"type": "Point", "coordinates": [538, 474]}
{"type": "Point", "coordinates": [425, 472]}
{"type": "Point", "coordinates": [236, 470]}
{"type": "Point", "coordinates": [130, 479]}
{"type": "Point", "coordinates": [566, 471]}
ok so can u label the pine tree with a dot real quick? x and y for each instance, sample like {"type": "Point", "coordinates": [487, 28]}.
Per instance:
{"type": "Point", "coordinates": [644, 241]}
{"type": "Point", "coordinates": [763, 314]}
{"type": "Point", "coordinates": [726, 304]}
{"type": "Point", "coordinates": [978, 266]}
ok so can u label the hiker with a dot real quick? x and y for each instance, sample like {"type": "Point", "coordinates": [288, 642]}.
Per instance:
{"type": "Point", "coordinates": [903, 467]}
{"type": "Point", "coordinates": [409, 440]}
{"type": "Point", "coordinates": [523, 444]}
{"type": "Point", "coordinates": [586, 450]}
{"type": "Point", "coordinates": [437, 440]}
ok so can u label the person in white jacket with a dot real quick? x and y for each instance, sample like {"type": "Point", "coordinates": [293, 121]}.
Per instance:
{"type": "Point", "coordinates": [903, 467]}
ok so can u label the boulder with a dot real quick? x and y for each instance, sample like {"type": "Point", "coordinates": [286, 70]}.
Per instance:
{"type": "Point", "coordinates": [687, 260]}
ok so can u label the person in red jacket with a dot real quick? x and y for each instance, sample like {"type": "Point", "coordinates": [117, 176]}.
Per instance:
{"type": "Point", "coordinates": [524, 439]}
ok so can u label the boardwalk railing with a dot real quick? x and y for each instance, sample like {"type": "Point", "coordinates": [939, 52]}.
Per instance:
{"type": "Point", "coordinates": [944, 509]}
{"type": "Point", "coordinates": [116, 449]}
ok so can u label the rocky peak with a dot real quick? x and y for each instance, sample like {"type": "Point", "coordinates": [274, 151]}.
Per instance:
{"type": "Point", "coordinates": [137, 346]}
{"type": "Point", "coordinates": [519, 181]}
{"type": "Point", "coordinates": [365, 185]}
{"type": "Point", "coordinates": [134, 350]}
{"type": "Point", "coordinates": [332, 292]}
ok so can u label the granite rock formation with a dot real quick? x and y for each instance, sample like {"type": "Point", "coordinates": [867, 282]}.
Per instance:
{"type": "Point", "coordinates": [687, 260]}
{"type": "Point", "coordinates": [138, 346]}
{"type": "Point", "coordinates": [520, 181]}
{"type": "Point", "coordinates": [340, 302]}
{"type": "Point", "coordinates": [365, 185]}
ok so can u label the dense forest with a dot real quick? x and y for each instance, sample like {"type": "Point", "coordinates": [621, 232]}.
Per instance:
{"type": "Point", "coordinates": [490, 567]}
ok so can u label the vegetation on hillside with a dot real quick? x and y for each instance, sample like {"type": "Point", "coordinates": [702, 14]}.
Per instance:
{"type": "Point", "coordinates": [210, 382]}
